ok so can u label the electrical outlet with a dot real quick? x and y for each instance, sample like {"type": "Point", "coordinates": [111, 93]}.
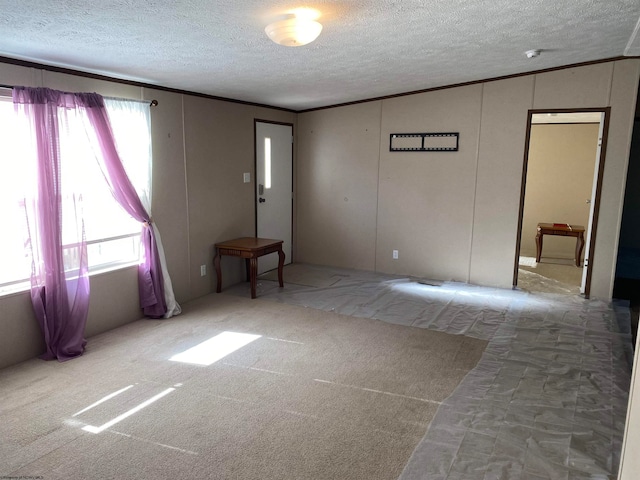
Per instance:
{"type": "Point", "coordinates": [395, 254]}
{"type": "Point", "coordinates": [203, 270]}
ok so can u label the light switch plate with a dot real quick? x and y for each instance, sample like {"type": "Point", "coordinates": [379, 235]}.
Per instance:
{"type": "Point", "coordinates": [246, 177]}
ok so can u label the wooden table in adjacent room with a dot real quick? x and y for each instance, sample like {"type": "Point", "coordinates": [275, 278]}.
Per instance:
{"type": "Point", "coordinates": [563, 230]}
{"type": "Point", "coordinates": [250, 249]}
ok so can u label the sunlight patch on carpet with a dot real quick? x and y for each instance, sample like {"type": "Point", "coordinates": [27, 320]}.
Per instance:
{"type": "Point", "coordinates": [212, 350]}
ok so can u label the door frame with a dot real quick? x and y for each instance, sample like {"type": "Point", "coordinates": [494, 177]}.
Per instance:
{"type": "Point", "coordinates": [596, 208]}
{"type": "Point", "coordinates": [255, 176]}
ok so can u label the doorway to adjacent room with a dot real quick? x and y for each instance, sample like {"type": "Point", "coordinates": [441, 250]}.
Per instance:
{"type": "Point", "coordinates": [561, 184]}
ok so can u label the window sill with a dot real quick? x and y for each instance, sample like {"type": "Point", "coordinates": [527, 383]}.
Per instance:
{"type": "Point", "coordinates": [21, 288]}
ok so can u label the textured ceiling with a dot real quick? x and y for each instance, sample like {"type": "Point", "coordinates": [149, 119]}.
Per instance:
{"type": "Point", "coordinates": [367, 49]}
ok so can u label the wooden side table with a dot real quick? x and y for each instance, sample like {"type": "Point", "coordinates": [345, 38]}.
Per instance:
{"type": "Point", "coordinates": [250, 249]}
{"type": "Point", "coordinates": [564, 230]}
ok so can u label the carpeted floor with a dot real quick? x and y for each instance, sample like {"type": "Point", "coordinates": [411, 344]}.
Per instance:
{"type": "Point", "coordinates": [309, 395]}
{"type": "Point", "coordinates": [548, 399]}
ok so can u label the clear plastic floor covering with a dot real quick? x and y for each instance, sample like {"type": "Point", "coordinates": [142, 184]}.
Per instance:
{"type": "Point", "coordinates": [548, 398]}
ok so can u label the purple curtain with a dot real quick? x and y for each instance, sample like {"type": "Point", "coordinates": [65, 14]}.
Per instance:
{"type": "Point", "coordinates": [60, 283]}
{"type": "Point", "coordinates": [59, 276]}
{"type": "Point", "coordinates": [150, 281]}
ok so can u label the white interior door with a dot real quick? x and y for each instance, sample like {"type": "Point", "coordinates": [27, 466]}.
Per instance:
{"type": "Point", "coordinates": [274, 188]}
{"type": "Point", "coordinates": [592, 200]}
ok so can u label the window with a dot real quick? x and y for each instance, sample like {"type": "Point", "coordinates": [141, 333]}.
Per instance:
{"type": "Point", "coordinates": [267, 162]}
{"type": "Point", "coordinates": [113, 237]}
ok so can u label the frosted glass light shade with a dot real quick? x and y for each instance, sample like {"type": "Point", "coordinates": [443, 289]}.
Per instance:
{"type": "Point", "coordinates": [293, 31]}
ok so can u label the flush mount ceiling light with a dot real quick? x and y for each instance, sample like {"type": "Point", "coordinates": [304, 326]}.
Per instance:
{"type": "Point", "coordinates": [533, 53]}
{"type": "Point", "coordinates": [295, 29]}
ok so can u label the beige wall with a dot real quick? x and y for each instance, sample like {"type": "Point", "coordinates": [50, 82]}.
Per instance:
{"type": "Point", "coordinates": [624, 87]}
{"type": "Point", "coordinates": [504, 110]}
{"type": "Point", "coordinates": [425, 200]}
{"type": "Point", "coordinates": [559, 182]}
{"type": "Point", "coordinates": [340, 193]}
{"type": "Point", "coordinates": [219, 147]}
{"type": "Point", "coordinates": [454, 215]}
{"type": "Point", "coordinates": [201, 148]}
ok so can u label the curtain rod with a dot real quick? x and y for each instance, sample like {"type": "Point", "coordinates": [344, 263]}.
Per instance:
{"type": "Point", "coordinates": [153, 103]}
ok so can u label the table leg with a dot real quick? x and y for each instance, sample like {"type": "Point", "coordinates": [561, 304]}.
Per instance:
{"type": "Point", "coordinates": [538, 246]}
{"type": "Point", "coordinates": [216, 264]}
{"type": "Point", "coordinates": [253, 262]}
{"type": "Point", "coordinates": [248, 267]}
{"type": "Point", "coordinates": [280, 266]}
{"type": "Point", "coordinates": [579, 247]}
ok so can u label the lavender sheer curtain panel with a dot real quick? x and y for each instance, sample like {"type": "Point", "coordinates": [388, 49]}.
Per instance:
{"type": "Point", "coordinates": [150, 278]}
{"type": "Point", "coordinates": [59, 279]}
{"type": "Point", "coordinates": [59, 274]}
